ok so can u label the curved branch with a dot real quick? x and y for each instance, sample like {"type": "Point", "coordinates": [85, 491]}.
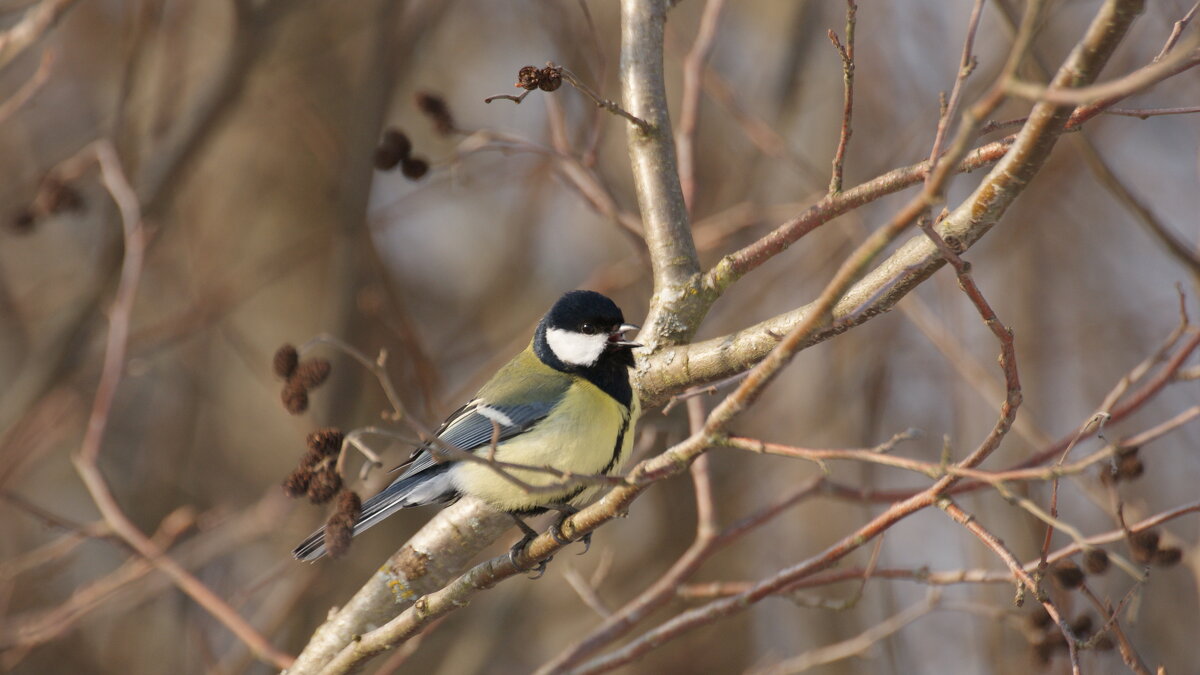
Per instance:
{"type": "Point", "coordinates": [673, 369]}
{"type": "Point", "coordinates": [36, 22]}
{"type": "Point", "coordinates": [440, 550]}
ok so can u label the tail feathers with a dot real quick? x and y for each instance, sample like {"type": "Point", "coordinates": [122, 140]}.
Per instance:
{"type": "Point", "coordinates": [432, 486]}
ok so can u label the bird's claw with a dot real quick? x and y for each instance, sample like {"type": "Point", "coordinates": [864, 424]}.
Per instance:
{"type": "Point", "coordinates": [557, 534]}
{"type": "Point", "coordinates": [518, 548]}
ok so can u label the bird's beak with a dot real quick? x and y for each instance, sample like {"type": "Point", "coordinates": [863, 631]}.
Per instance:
{"type": "Point", "coordinates": [617, 337]}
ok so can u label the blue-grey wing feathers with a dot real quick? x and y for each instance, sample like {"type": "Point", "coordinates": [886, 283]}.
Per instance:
{"type": "Point", "coordinates": [470, 428]}
{"type": "Point", "coordinates": [426, 480]}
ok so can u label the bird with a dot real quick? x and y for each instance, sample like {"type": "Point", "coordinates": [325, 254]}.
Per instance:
{"type": "Point", "coordinates": [566, 402]}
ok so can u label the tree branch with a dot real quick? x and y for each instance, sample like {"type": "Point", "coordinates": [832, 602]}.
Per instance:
{"type": "Point", "coordinates": [673, 369]}
{"type": "Point", "coordinates": [674, 313]}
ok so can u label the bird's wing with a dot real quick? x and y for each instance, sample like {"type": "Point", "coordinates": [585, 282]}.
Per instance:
{"type": "Point", "coordinates": [470, 428]}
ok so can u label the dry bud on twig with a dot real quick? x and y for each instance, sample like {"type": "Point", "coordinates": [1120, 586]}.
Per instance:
{"type": "Point", "coordinates": [1144, 545]}
{"type": "Point", "coordinates": [324, 485]}
{"type": "Point", "coordinates": [311, 459]}
{"type": "Point", "coordinates": [393, 148]}
{"type": "Point", "coordinates": [57, 196]}
{"type": "Point", "coordinates": [1129, 466]}
{"type": "Point", "coordinates": [1095, 561]}
{"type": "Point", "coordinates": [339, 529]}
{"type": "Point", "coordinates": [325, 442]}
{"type": "Point", "coordinates": [285, 361]}
{"type": "Point", "coordinates": [296, 484]}
{"type": "Point", "coordinates": [311, 373]}
{"type": "Point", "coordinates": [1067, 574]}
{"type": "Point", "coordinates": [437, 110]}
{"type": "Point", "coordinates": [54, 196]}
{"type": "Point", "coordinates": [414, 168]}
{"type": "Point", "coordinates": [1167, 557]}
{"type": "Point", "coordinates": [1040, 618]}
{"type": "Point", "coordinates": [294, 397]}
{"type": "Point", "coordinates": [527, 78]}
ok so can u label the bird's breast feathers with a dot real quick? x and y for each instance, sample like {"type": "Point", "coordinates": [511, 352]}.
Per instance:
{"type": "Point", "coordinates": [588, 432]}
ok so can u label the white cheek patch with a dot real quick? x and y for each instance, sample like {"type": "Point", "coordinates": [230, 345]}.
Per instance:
{"type": "Point", "coordinates": [576, 349]}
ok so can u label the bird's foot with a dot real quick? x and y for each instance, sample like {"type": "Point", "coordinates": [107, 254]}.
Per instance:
{"type": "Point", "coordinates": [566, 511]}
{"type": "Point", "coordinates": [519, 547]}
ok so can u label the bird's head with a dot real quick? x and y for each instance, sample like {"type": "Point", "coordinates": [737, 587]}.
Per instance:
{"type": "Point", "coordinates": [584, 326]}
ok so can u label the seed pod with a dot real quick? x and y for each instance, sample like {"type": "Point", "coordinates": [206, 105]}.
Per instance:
{"type": "Point", "coordinates": [1095, 561]}
{"type": "Point", "coordinates": [528, 77]}
{"type": "Point", "coordinates": [285, 361]}
{"type": "Point", "coordinates": [1067, 574]}
{"type": "Point", "coordinates": [312, 373]}
{"type": "Point", "coordinates": [324, 485]}
{"type": "Point", "coordinates": [414, 168]}
{"type": "Point", "coordinates": [550, 79]}
{"type": "Point", "coordinates": [296, 484]}
{"type": "Point", "coordinates": [437, 110]}
{"type": "Point", "coordinates": [294, 397]}
{"type": "Point", "coordinates": [326, 442]}
{"type": "Point", "coordinates": [339, 529]}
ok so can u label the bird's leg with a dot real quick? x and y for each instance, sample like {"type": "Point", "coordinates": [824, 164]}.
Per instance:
{"type": "Point", "coordinates": [566, 511]}
{"type": "Point", "coordinates": [530, 535]}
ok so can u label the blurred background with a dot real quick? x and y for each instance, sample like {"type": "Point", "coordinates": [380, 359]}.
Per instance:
{"type": "Point", "coordinates": [248, 131]}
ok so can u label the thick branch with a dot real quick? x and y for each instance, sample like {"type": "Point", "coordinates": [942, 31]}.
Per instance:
{"type": "Point", "coordinates": [672, 369]}
{"type": "Point", "coordinates": [675, 312]}
{"type": "Point", "coordinates": [436, 553]}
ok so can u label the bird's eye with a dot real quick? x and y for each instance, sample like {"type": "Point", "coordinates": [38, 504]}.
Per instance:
{"type": "Point", "coordinates": [588, 329]}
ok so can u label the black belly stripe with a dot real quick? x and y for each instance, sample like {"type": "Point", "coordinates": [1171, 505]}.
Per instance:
{"type": "Point", "coordinates": [612, 462]}
{"type": "Point", "coordinates": [616, 455]}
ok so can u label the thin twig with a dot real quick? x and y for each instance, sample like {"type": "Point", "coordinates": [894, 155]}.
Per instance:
{"type": "Point", "coordinates": [1174, 63]}
{"type": "Point", "coordinates": [991, 541]}
{"type": "Point", "coordinates": [31, 87]}
{"type": "Point", "coordinates": [114, 361]}
{"type": "Point", "coordinates": [1146, 113]}
{"type": "Point", "coordinates": [966, 66]}
{"type": "Point", "coordinates": [856, 645]}
{"type": "Point", "coordinates": [689, 114]}
{"type": "Point", "coordinates": [601, 102]}
{"type": "Point", "coordinates": [847, 55]}
{"type": "Point", "coordinates": [1111, 622]}
{"type": "Point", "coordinates": [377, 367]}
{"type": "Point", "coordinates": [508, 97]}
{"type": "Point", "coordinates": [709, 389]}
{"type": "Point", "coordinates": [1177, 31]}
{"type": "Point", "coordinates": [586, 592]}
{"type": "Point", "coordinates": [573, 80]}
{"type": "Point", "coordinates": [722, 589]}
{"type": "Point", "coordinates": [34, 24]}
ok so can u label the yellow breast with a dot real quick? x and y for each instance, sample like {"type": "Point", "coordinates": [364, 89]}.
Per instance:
{"type": "Point", "coordinates": [588, 433]}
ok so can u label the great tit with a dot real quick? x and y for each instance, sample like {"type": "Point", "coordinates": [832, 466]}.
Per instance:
{"type": "Point", "coordinates": [565, 402]}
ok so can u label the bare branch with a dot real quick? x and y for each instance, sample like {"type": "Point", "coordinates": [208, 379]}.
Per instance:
{"type": "Point", "coordinates": [675, 312]}
{"type": "Point", "coordinates": [1175, 63]}
{"type": "Point", "coordinates": [36, 22]}
{"type": "Point", "coordinates": [89, 451]}
{"type": "Point", "coordinates": [847, 55]}
{"type": "Point", "coordinates": [991, 541]}
{"type": "Point", "coordinates": [855, 645]}
{"type": "Point", "coordinates": [27, 90]}
{"type": "Point", "coordinates": [689, 116]}
{"type": "Point", "coordinates": [915, 260]}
